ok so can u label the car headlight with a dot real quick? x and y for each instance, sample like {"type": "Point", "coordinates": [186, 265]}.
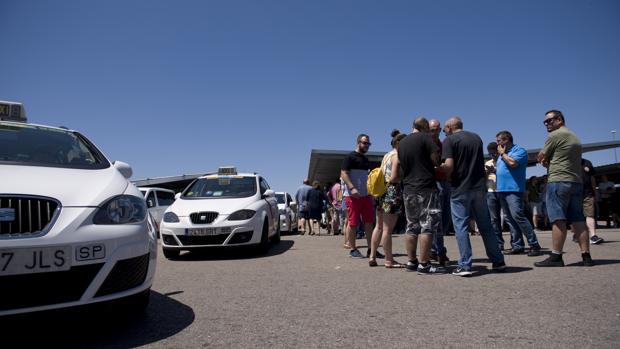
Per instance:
{"type": "Point", "coordinates": [241, 215]}
{"type": "Point", "coordinates": [171, 217]}
{"type": "Point", "coordinates": [122, 209]}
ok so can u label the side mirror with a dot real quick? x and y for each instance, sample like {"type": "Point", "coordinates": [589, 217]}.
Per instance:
{"type": "Point", "coordinates": [269, 194]}
{"type": "Point", "coordinates": [177, 195]}
{"type": "Point", "coordinates": [123, 168]}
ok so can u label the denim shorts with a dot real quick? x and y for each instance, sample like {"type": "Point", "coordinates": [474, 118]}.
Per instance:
{"type": "Point", "coordinates": [564, 201]}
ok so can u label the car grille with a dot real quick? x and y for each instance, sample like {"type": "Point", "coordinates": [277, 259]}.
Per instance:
{"type": "Point", "coordinates": [26, 216]}
{"type": "Point", "coordinates": [31, 290]}
{"type": "Point", "coordinates": [126, 274]}
{"type": "Point", "coordinates": [202, 240]}
{"type": "Point", "coordinates": [203, 217]}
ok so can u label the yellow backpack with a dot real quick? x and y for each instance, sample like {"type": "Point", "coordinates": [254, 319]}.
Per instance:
{"type": "Point", "coordinates": [376, 182]}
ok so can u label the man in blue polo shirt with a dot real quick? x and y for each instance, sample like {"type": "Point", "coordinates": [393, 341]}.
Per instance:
{"type": "Point", "coordinates": [511, 166]}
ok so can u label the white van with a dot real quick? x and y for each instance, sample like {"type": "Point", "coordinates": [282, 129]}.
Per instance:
{"type": "Point", "coordinates": [157, 201]}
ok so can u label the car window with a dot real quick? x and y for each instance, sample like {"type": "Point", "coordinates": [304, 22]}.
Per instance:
{"type": "Point", "coordinates": [280, 198]}
{"type": "Point", "coordinates": [221, 187]}
{"type": "Point", "coordinates": [165, 198]}
{"type": "Point", "coordinates": [32, 145]}
{"type": "Point", "coordinates": [263, 186]}
{"type": "Point", "coordinates": [150, 200]}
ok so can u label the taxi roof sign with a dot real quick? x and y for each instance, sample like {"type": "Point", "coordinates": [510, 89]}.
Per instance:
{"type": "Point", "coordinates": [12, 111]}
{"type": "Point", "coordinates": [227, 170]}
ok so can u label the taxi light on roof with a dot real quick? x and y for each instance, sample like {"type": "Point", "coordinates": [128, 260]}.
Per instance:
{"type": "Point", "coordinates": [12, 111]}
{"type": "Point", "coordinates": [227, 171]}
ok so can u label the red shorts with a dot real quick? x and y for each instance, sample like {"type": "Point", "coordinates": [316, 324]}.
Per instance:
{"type": "Point", "coordinates": [363, 206]}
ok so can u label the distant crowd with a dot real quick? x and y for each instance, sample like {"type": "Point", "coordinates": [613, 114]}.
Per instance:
{"type": "Point", "coordinates": [433, 185]}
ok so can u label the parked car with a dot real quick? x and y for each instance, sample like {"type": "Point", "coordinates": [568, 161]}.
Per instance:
{"type": "Point", "coordinates": [221, 209]}
{"type": "Point", "coordinates": [287, 208]}
{"type": "Point", "coordinates": [73, 229]}
{"type": "Point", "coordinates": [157, 201]}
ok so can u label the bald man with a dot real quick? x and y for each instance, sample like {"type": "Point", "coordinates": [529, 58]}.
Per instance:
{"type": "Point", "coordinates": [463, 157]}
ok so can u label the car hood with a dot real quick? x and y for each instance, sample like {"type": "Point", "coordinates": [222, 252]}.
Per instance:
{"type": "Point", "coordinates": [72, 187]}
{"type": "Point", "coordinates": [184, 207]}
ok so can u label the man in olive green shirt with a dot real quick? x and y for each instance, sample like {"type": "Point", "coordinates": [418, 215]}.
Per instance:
{"type": "Point", "coordinates": [562, 156]}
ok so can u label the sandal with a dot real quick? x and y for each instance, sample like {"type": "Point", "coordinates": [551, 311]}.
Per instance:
{"type": "Point", "coordinates": [393, 265]}
{"type": "Point", "coordinates": [372, 263]}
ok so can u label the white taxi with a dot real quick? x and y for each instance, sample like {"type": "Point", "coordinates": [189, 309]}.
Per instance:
{"type": "Point", "coordinates": [221, 209]}
{"type": "Point", "coordinates": [73, 229]}
{"type": "Point", "coordinates": [288, 212]}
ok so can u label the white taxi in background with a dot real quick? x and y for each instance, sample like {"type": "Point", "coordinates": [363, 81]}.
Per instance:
{"type": "Point", "coordinates": [221, 209]}
{"type": "Point", "coordinates": [288, 212]}
{"type": "Point", "coordinates": [73, 229]}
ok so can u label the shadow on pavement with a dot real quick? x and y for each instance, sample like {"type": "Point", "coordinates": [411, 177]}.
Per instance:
{"type": "Point", "coordinates": [98, 326]}
{"type": "Point", "coordinates": [480, 270]}
{"type": "Point", "coordinates": [596, 262]}
{"type": "Point", "coordinates": [227, 253]}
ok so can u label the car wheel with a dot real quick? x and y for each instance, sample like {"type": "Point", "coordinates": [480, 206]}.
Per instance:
{"type": "Point", "coordinates": [276, 238]}
{"type": "Point", "coordinates": [263, 246]}
{"type": "Point", "coordinates": [170, 253]}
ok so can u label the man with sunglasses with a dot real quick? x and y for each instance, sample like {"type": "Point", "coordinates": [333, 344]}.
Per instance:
{"type": "Point", "coordinates": [354, 173]}
{"type": "Point", "coordinates": [562, 156]}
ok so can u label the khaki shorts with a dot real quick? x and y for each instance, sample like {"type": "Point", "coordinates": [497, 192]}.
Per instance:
{"type": "Point", "coordinates": [588, 206]}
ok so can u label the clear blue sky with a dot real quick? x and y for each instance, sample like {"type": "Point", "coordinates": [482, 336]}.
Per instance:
{"type": "Point", "coordinates": [175, 87]}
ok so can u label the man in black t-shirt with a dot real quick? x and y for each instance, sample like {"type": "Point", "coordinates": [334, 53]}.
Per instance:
{"type": "Point", "coordinates": [417, 156]}
{"type": "Point", "coordinates": [589, 188]}
{"type": "Point", "coordinates": [463, 157]}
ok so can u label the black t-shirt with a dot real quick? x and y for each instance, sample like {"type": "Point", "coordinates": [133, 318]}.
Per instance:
{"type": "Point", "coordinates": [414, 155]}
{"type": "Point", "coordinates": [357, 165]}
{"type": "Point", "coordinates": [466, 149]}
{"type": "Point", "coordinates": [355, 161]}
{"type": "Point", "coordinates": [587, 171]}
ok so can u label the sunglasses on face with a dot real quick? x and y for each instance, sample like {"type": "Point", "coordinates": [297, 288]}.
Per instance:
{"type": "Point", "coordinates": [366, 143]}
{"type": "Point", "coordinates": [548, 121]}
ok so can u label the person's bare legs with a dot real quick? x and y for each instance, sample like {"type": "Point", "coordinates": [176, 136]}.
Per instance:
{"type": "Point", "coordinates": [579, 228]}
{"type": "Point", "coordinates": [389, 221]}
{"type": "Point", "coordinates": [302, 223]}
{"type": "Point", "coordinates": [591, 223]}
{"type": "Point", "coordinates": [426, 241]}
{"type": "Point", "coordinates": [351, 236]}
{"type": "Point", "coordinates": [368, 232]}
{"type": "Point", "coordinates": [411, 244]}
{"type": "Point", "coordinates": [376, 235]}
{"type": "Point", "coordinates": [558, 235]}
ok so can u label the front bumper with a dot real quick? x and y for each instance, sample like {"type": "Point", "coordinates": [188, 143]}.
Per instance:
{"type": "Point", "coordinates": [224, 233]}
{"type": "Point", "coordinates": [127, 266]}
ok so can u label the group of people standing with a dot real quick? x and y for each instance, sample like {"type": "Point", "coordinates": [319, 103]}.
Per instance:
{"type": "Point", "coordinates": [435, 182]}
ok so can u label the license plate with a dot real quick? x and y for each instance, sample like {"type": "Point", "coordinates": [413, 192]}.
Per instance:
{"type": "Point", "coordinates": [201, 231]}
{"type": "Point", "coordinates": [34, 260]}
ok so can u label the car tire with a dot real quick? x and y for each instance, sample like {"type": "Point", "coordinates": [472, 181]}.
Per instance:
{"type": "Point", "coordinates": [263, 246]}
{"type": "Point", "coordinates": [277, 238]}
{"type": "Point", "coordinates": [171, 254]}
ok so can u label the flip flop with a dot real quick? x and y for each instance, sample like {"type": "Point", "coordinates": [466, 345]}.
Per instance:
{"type": "Point", "coordinates": [394, 265]}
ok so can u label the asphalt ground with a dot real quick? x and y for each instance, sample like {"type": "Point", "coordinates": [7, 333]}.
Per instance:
{"type": "Point", "coordinates": [307, 293]}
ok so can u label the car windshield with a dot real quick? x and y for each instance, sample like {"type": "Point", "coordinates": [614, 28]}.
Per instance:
{"type": "Point", "coordinates": [32, 145]}
{"type": "Point", "coordinates": [280, 198]}
{"type": "Point", "coordinates": [222, 187]}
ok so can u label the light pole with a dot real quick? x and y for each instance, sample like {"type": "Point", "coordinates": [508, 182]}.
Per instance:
{"type": "Point", "coordinates": [613, 136]}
